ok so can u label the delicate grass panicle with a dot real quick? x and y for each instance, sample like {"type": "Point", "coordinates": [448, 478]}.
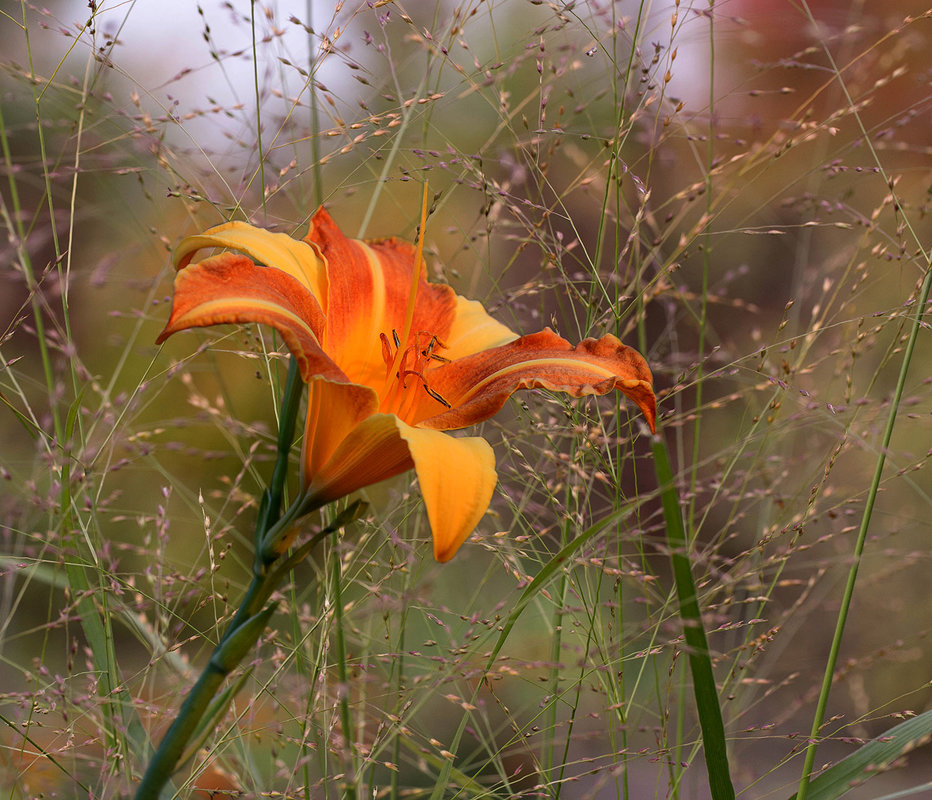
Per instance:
{"type": "Point", "coordinates": [736, 605]}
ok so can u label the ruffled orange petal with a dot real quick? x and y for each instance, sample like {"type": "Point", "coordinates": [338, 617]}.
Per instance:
{"type": "Point", "coordinates": [299, 259]}
{"type": "Point", "coordinates": [456, 476]}
{"type": "Point", "coordinates": [229, 288]}
{"type": "Point", "coordinates": [369, 285]}
{"type": "Point", "coordinates": [477, 386]}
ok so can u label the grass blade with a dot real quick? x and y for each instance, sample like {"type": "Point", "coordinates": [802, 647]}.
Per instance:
{"type": "Point", "coordinates": [873, 757]}
{"type": "Point", "coordinates": [700, 665]}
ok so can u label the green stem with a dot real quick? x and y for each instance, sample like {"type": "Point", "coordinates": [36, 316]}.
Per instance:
{"type": "Point", "coordinates": [270, 510]}
{"type": "Point", "coordinates": [248, 623]}
{"type": "Point", "coordinates": [556, 646]}
{"type": "Point", "coordinates": [166, 758]}
{"type": "Point", "coordinates": [706, 266]}
{"type": "Point", "coordinates": [697, 647]}
{"type": "Point", "coordinates": [822, 702]}
{"type": "Point", "coordinates": [255, 78]}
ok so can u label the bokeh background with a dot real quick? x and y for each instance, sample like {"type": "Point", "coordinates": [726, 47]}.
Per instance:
{"type": "Point", "coordinates": [739, 189]}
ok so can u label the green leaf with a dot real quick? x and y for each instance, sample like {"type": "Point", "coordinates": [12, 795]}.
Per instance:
{"type": "Point", "coordinates": [871, 758]}
{"type": "Point", "coordinates": [235, 647]}
{"type": "Point", "coordinates": [212, 717]}
{"type": "Point", "coordinates": [700, 664]}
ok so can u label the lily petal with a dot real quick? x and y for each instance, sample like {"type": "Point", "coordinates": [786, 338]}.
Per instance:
{"type": "Point", "coordinates": [457, 478]}
{"type": "Point", "coordinates": [343, 307]}
{"type": "Point", "coordinates": [299, 259]}
{"type": "Point", "coordinates": [369, 287]}
{"type": "Point", "coordinates": [473, 331]}
{"type": "Point", "coordinates": [476, 387]}
{"type": "Point", "coordinates": [456, 475]}
{"type": "Point", "coordinates": [372, 452]}
{"type": "Point", "coordinates": [230, 288]}
{"type": "Point", "coordinates": [333, 410]}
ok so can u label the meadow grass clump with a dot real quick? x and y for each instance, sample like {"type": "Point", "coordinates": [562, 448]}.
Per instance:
{"type": "Point", "coordinates": [740, 193]}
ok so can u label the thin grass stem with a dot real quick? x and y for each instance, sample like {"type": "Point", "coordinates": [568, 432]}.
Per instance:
{"type": "Point", "coordinates": [351, 775]}
{"type": "Point", "coordinates": [848, 594]}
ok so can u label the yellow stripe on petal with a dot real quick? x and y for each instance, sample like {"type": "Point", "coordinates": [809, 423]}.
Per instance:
{"type": "Point", "coordinates": [560, 374]}
{"type": "Point", "coordinates": [357, 345]}
{"type": "Point", "coordinates": [292, 256]}
{"type": "Point", "coordinates": [235, 309]}
{"type": "Point", "coordinates": [230, 288]}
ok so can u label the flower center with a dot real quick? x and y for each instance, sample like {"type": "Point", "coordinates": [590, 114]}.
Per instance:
{"type": "Point", "coordinates": [398, 397]}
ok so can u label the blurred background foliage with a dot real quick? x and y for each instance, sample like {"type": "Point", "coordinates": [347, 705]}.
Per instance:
{"type": "Point", "coordinates": [705, 180]}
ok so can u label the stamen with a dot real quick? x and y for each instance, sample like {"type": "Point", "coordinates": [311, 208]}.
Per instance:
{"type": "Point", "coordinates": [436, 396]}
{"type": "Point", "coordinates": [402, 368]}
{"type": "Point", "coordinates": [428, 352]}
{"type": "Point", "coordinates": [405, 373]}
{"type": "Point", "coordinates": [427, 388]}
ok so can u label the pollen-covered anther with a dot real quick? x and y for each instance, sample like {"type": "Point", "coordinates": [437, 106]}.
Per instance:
{"type": "Point", "coordinates": [427, 388]}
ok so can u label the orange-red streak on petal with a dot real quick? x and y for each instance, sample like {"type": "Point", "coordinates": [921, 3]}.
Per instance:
{"type": "Point", "coordinates": [369, 288]}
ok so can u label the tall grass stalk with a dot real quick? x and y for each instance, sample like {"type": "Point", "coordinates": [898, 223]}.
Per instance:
{"type": "Point", "coordinates": [700, 661]}
{"type": "Point", "coordinates": [915, 326]}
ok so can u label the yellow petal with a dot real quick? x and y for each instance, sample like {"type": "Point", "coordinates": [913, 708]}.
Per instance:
{"type": "Point", "coordinates": [456, 476]}
{"type": "Point", "coordinates": [299, 259]}
{"type": "Point", "coordinates": [473, 331]}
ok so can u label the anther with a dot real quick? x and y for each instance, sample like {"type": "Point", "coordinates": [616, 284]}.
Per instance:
{"type": "Point", "coordinates": [428, 352]}
{"type": "Point", "coordinates": [436, 396]}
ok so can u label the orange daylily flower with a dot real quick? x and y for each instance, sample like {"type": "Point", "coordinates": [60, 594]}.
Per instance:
{"type": "Point", "coordinates": [389, 367]}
